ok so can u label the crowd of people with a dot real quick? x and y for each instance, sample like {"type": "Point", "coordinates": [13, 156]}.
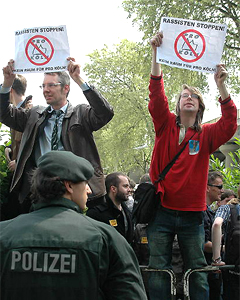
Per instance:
{"type": "Point", "coordinates": [68, 230]}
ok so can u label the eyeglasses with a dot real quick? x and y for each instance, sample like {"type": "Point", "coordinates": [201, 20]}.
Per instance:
{"type": "Point", "coordinates": [185, 96]}
{"type": "Point", "coordinates": [217, 186]}
{"type": "Point", "coordinates": [49, 85]}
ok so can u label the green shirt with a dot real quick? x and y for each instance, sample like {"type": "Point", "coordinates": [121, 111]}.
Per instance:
{"type": "Point", "coordinates": [55, 252]}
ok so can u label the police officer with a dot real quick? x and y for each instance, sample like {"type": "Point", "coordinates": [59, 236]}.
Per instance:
{"type": "Point", "coordinates": [56, 252]}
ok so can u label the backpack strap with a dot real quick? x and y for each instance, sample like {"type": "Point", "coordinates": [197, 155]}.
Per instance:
{"type": "Point", "coordinates": [232, 237]}
{"type": "Point", "coordinates": [162, 175]}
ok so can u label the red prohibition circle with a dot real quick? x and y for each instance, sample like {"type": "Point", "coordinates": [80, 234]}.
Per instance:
{"type": "Point", "coordinates": [182, 35]}
{"type": "Point", "coordinates": [47, 58]}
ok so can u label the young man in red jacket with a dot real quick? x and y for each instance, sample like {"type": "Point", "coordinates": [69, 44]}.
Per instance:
{"type": "Point", "coordinates": [183, 191]}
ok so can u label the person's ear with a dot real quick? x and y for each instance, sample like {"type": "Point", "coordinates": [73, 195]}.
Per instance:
{"type": "Point", "coordinates": [68, 185]}
{"type": "Point", "coordinates": [208, 189]}
{"type": "Point", "coordinates": [66, 89]}
{"type": "Point", "coordinates": [113, 189]}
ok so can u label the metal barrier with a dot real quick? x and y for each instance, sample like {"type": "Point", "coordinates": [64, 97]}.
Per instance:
{"type": "Point", "coordinates": [205, 269]}
{"type": "Point", "coordinates": [172, 276]}
{"type": "Point", "coordinates": [186, 277]}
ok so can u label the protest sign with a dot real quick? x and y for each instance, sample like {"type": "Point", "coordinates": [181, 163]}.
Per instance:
{"type": "Point", "coordinates": [191, 45]}
{"type": "Point", "coordinates": [41, 49]}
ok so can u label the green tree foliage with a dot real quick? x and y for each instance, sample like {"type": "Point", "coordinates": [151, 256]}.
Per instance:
{"type": "Point", "coordinates": [4, 171]}
{"type": "Point", "coordinates": [4, 134]}
{"type": "Point", "coordinates": [4, 176]}
{"type": "Point", "coordinates": [122, 76]}
{"type": "Point", "coordinates": [146, 14]}
{"type": "Point", "coordinates": [231, 175]}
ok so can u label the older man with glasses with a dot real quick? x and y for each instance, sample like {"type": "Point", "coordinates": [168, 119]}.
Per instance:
{"type": "Point", "coordinates": [60, 126]}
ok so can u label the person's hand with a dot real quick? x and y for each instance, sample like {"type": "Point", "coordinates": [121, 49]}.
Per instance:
{"type": "Point", "coordinates": [8, 74]}
{"type": "Point", "coordinates": [220, 75]}
{"type": "Point", "coordinates": [156, 41]}
{"type": "Point", "coordinates": [7, 153]}
{"type": "Point", "coordinates": [28, 104]}
{"type": "Point", "coordinates": [218, 262]}
{"type": "Point", "coordinates": [74, 70]}
{"type": "Point", "coordinates": [12, 165]}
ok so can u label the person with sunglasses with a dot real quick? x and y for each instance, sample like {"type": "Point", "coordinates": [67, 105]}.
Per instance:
{"type": "Point", "coordinates": [213, 194]}
{"type": "Point", "coordinates": [182, 194]}
{"type": "Point", "coordinates": [59, 126]}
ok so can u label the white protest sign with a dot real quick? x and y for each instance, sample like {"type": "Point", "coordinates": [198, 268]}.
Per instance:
{"type": "Point", "coordinates": [41, 49]}
{"type": "Point", "coordinates": [191, 45]}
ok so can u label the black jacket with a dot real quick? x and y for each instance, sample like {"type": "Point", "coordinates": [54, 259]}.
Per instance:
{"type": "Point", "coordinates": [108, 213]}
{"type": "Point", "coordinates": [208, 222]}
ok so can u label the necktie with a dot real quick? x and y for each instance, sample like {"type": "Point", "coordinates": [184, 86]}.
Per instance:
{"type": "Point", "coordinates": [55, 140]}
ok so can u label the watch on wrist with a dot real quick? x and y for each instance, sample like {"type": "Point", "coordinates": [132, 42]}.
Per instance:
{"type": "Point", "coordinates": [217, 260]}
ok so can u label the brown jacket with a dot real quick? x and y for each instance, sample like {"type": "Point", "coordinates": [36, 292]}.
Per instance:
{"type": "Point", "coordinates": [77, 127]}
{"type": "Point", "coordinates": [16, 136]}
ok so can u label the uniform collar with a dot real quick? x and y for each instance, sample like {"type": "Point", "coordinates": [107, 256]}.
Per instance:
{"type": "Point", "coordinates": [57, 202]}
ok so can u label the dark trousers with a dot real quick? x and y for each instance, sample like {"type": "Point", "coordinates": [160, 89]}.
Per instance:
{"type": "Point", "coordinates": [215, 284]}
{"type": "Point", "coordinates": [231, 286]}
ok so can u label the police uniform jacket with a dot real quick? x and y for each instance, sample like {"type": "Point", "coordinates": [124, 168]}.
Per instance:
{"type": "Point", "coordinates": [78, 125]}
{"type": "Point", "coordinates": [111, 215]}
{"type": "Point", "coordinates": [55, 252]}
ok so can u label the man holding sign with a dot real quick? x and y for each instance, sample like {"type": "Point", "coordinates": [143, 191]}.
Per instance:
{"type": "Point", "coordinates": [60, 126]}
{"type": "Point", "coordinates": [183, 191]}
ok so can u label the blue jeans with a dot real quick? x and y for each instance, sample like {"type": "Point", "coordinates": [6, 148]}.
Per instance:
{"type": "Point", "coordinates": [190, 232]}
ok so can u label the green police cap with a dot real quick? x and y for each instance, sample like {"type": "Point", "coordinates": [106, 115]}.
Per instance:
{"type": "Point", "coordinates": [66, 165]}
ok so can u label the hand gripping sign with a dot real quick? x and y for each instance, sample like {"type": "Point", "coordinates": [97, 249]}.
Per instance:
{"type": "Point", "coordinates": [191, 45]}
{"type": "Point", "coordinates": [41, 49]}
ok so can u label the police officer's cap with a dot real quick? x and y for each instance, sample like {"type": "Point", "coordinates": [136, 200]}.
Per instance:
{"type": "Point", "coordinates": [66, 166]}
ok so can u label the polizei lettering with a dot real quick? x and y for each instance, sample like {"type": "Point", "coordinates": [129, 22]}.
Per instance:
{"type": "Point", "coordinates": [43, 262]}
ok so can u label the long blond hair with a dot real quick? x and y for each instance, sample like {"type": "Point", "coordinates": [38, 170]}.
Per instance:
{"type": "Point", "coordinates": [199, 116]}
